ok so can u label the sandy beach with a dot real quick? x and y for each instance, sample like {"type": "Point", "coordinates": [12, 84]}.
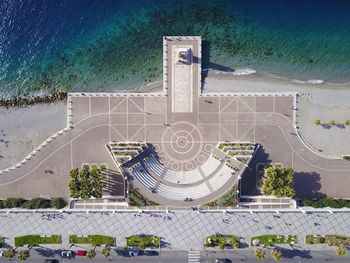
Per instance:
{"type": "Point", "coordinates": [23, 129]}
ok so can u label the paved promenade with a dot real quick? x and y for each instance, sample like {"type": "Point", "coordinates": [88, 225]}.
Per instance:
{"type": "Point", "coordinates": [180, 230]}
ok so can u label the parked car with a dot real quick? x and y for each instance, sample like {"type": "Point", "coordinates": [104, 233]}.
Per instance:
{"type": "Point", "coordinates": [134, 253]}
{"type": "Point", "coordinates": [51, 261]}
{"type": "Point", "coordinates": [81, 253]}
{"type": "Point", "coordinates": [151, 253]}
{"type": "Point", "coordinates": [66, 254]}
{"type": "Point", "coordinates": [223, 260]}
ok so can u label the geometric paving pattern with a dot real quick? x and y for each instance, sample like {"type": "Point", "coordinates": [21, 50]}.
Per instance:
{"type": "Point", "coordinates": [182, 230]}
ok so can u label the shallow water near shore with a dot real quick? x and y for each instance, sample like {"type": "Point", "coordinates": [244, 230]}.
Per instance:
{"type": "Point", "coordinates": [46, 46]}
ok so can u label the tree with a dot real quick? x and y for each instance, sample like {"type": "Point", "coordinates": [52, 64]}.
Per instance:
{"type": "Point", "coordinates": [87, 182]}
{"type": "Point", "coordinates": [22, 254]}
{"type": "Point", "coordinates": [276, 254]}
{"type": "Point", "coordinates": [333, 122]}
{"type": "Point", "coordinates": [74, 183]}
{"type": "Point", "coordinates": [9, 253]}
{"type": "Point", "coordinates": [340, 251]}
{"type": "Point", "coordinates": [278, 181]}
{"type": "Point", "coordinates": [347, 122]}
{"type": "Point", "coordinates": [106, 251]}
{"type": "Point", "coordinates": [90, 253]}
{"type": "Point", "coordinates": [260, 254]}
{"type": "Point", "coordinates": [318, 122]}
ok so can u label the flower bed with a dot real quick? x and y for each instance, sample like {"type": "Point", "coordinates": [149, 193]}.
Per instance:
{"type": "Point", "coordinates": [143, 241]}
{"type": "Point", "coordinates": [331, 240]}
{"type": "Point", "coordinates": [92, 239]}
{"type": "Point", "coordinates": [35, 240]}
{"type": "Point", "coordinates": [271, 240]}
{"type": "Point", "coordinates": [222, 241]}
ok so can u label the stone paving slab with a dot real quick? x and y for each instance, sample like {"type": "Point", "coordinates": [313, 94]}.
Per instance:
{"type": "Point", "coordinates": [181, 230]}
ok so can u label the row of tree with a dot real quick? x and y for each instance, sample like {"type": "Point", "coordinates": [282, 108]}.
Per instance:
{"type": "Point", "coordinates": [260, 254]}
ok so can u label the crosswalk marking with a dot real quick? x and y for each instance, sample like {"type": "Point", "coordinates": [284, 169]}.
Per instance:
{"type": "Point", "coordinates": [194, 256]}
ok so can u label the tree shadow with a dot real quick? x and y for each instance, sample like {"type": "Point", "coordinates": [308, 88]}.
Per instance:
{"type": "Point", "coordinates": [307, 185]}
{"type": "Point", "coordinates": [254, 171]}
{"type": "Point", "coordinates": [48, 253]}
{"type": "Point", "coordinates": [115, 183]}
{"type": "Point", "coordinates": [293, 253]}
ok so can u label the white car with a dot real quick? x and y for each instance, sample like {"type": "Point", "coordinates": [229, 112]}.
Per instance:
{"type": "Point", "coordinates": [133, 253]}
{"type": "Point", "coordinates": [66, 254]}
{"type": "Point", "coordinates": [2, 253]}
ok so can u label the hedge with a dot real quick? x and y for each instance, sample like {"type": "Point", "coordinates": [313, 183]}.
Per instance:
{"type": "Point", "coordinates": [92, 239]}
{"type": "Point", "coordinates": [35, 203]}
{"type": "Point", "coordinates": [326, 202]}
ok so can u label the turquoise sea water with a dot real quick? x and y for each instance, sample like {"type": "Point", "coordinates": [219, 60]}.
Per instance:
{"type": "Point", "coordinates": [86, 45]}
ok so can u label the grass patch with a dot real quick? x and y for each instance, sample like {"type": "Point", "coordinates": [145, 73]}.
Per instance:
{"type": "Point", "coordinates": [92, 239]}
{"type": "Point", "coordinates": [271, 240]}
{"type": "Point", "coordinates": [331, 240]}
{"type": "Point", "coordinates": [143, 241]}
{"type": "Point", "coordinates": [35, 240]}
{"type": "Point", "coordinates": [222, 241]}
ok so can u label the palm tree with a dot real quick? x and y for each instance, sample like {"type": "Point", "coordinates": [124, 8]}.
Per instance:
{"type": "Point", "coordinates": [333, 122]}
{"type": "Point", "coordinates": [9, 253]}
{"type": "Point", "coordinates": [260, 254]}
{"type": "Point", "coordinates": [90, 253]}
{"type": "Point", "coordinates": [276, 255]}
{"type": "Point", "coordinates": [22, 255]}
{"type": "Point", "coordinates": [317, 122]}
{"type": "Point", "coordinates": [106, 251]}
{"type": "Point", "coordinates": [340, 251]}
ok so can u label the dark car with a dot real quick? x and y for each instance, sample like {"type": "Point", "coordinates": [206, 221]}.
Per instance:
{"type": "Point", "coordinates": [51, 261]}
{"type": "Point", "coordinates": [223, 260]}
{"type": "Point", "coordinates": [151, 253]}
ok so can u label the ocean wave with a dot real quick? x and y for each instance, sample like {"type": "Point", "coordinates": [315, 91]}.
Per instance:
{"type": "Point", "coordinates": [310, 81]}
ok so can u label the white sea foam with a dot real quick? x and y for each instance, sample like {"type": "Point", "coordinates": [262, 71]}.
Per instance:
{"type": "Point", "coordinates": [235, 72]}
{"type": "Point", "coordinates": [245, 71]}
{"type": "Point", "coordinates": [310, 81]}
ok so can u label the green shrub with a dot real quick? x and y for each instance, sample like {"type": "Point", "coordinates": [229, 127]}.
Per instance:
{"type": "Point", "coordinates": [326, 202]}
{"type": "Point", "coordinates": [13, 202]}
{"type": "Point", "coordinates": [36, 203]}
{"type": "Point", "coordinates": [322, 240]}
{"type": "Point", "coordinates": [58, 203]}
{"type": "Point", "coordinates": [347, 122]}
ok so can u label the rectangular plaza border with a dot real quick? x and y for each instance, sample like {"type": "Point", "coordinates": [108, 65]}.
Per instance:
{"type": "Point", "coordinates": [178, 209]}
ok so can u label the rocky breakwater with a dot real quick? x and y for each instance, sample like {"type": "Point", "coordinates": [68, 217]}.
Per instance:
{"type": "Point", "coordinates": [24, 102]}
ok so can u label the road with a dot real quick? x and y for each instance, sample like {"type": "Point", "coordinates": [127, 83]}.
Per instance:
{"type": "Point", "coordinates": [209, 257]}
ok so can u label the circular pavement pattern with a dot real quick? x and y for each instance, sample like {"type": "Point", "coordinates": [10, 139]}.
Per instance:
{"type": "Point", "coordinates": [182, 142]}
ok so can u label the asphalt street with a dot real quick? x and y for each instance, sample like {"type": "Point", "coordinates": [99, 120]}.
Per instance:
{"type": "Point", "coordinates": [208, 257]}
